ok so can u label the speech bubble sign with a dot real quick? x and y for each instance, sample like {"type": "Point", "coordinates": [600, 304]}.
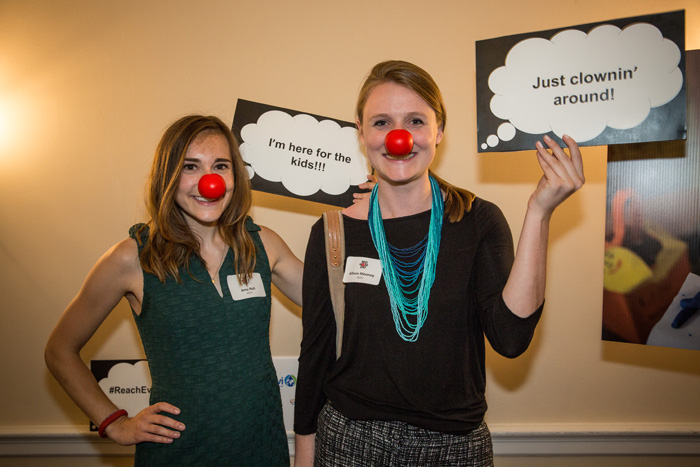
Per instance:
{"type": "Point", "coordinates": [597, 83]}
{"type": "Point", "coordinates": [300, 155]}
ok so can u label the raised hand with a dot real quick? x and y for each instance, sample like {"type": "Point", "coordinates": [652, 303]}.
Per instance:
{"type": "Point", "coordinates": [562, 174]}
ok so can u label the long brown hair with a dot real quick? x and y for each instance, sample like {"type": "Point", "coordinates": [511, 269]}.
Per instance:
{"type": "Point", "coordinates": [171, 242]}
{"type": "Point", "coordinates": [457, 200]}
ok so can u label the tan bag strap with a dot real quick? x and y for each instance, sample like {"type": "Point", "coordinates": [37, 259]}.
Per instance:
{"type": "Point", "coordinates": [335, 257]}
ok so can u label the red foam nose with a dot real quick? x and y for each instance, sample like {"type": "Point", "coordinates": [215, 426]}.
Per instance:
{"type": "Point", "coordinates": [212, 186]}
{"type": "Point", "coordinates": [398, 142]}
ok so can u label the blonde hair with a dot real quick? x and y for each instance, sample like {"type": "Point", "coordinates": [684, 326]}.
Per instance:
{"type": "Point", "coordinates": [171, 242]}
{"type": "Point", "coordinates": [457, 200]}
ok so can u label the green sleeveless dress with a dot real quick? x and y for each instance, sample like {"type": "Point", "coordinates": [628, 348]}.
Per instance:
{"type": "Point", "coordinates": [210, 356]}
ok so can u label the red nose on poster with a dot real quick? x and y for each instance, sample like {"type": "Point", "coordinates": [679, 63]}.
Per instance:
{"type": "Point", "coordinates": [212, 186]}
{"type": "Point", "coordinates": [398, 142]}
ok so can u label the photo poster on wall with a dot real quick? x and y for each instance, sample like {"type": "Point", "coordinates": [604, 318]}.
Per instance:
{"type": "Point", "coordinates": [651, 290]}
{"type": "Point", "coordinates": [127, 383]}
{"type": "Point", "coordinates": [300, 155]}
{"type": "Point", "coordinates": [614, 82]}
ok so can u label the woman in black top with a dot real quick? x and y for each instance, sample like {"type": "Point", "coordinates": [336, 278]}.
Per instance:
{"type": "Point", "coordinates": [408, 388]}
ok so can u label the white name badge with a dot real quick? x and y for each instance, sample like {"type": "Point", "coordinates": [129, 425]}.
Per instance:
{"type": "Point", "coordinates": [254, 287]}
{"type": "Point", "coordinates": [362, 270]}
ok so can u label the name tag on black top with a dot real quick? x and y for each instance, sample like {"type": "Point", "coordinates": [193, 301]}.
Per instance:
{"type": "Point", "coordinates": [362, 270]}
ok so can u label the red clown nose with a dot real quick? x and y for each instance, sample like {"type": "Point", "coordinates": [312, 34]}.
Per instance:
{"type": "Point", "coordinates": [212, 186]}
{"type": "Point", "coordinates": [398, 142]}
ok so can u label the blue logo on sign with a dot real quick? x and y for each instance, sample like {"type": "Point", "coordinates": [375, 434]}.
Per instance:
{"type": "Point", "coordinates": [289, 380]}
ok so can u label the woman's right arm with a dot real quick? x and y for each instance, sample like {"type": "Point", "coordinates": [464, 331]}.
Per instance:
{"type": "Point", "coordinates": [116, 275]}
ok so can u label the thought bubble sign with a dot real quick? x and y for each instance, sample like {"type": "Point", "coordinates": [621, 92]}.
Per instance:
{"type": "Point", "coordinates": [127, 383]}
{"type": "Point", "coordinates": [616, 82]}
{"type": "Point", "coordinates": [299, 154]}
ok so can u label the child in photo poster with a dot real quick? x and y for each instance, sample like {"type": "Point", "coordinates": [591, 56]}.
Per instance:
{"type": "Point", "coordinates": [188, 274]}
{"type": "Point", "coordinates": [408, 388]}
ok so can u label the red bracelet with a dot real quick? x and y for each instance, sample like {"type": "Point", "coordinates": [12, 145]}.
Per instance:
{"type": "Point", "coordinates": [106, 422]}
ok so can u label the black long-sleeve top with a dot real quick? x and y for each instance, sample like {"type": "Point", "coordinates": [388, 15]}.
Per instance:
{"type": "Point", "coordinates": [437, 382]}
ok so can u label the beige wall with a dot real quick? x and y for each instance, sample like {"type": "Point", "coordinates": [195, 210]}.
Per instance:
{"type": "Point", "coordinates": [87, 87]}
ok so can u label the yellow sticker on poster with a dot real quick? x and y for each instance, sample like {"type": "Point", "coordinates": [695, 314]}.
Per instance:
{"type": "Point", "coordinates": [624, 270]}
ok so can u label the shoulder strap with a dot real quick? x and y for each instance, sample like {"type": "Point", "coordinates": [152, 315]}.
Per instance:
{"type": "Point", "coordinates": [335, 257]}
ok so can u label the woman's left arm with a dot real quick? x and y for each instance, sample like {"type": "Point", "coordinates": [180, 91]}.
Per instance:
{"type": "Point", "coordinates": [287, 269]}
{"type": "Point", "coordinates": [562, 176]}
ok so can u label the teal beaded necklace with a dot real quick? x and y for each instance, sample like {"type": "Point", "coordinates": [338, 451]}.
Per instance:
{"type": "Point", "coordinates": [408, 297]}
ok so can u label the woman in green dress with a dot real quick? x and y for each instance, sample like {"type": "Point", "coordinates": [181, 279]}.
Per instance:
{"type": "Point", "coordinates": [197, 276]}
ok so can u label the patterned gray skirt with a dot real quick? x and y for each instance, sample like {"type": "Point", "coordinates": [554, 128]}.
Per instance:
{"type": "Point", "coordinates": [341, 442]}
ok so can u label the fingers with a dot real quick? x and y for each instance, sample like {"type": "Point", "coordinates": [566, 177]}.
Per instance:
{"type": "Point", "coordinates": [151, 425]}
{"type": "Point", "coordinates": [164, 407]}
{"type": "Point", "coordinates": [166, 422]}
{"type": "Point", "coordinates": [562, 174]}
{"type": "Point", "coordinates": [368, 185]}
{"type": "Point", "coordinates": [357, 197]}
{"type": "Point", "coordinates": [559, 164]}
{"type": "Point", "coordinates": [157, 419]}
{"type": "Point", "coordinates": [162, 429]}
{"type": "Point", "coordinates": [576, 157]}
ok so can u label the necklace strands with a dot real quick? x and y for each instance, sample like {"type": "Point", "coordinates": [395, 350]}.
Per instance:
{"type": "Point", "coordinates": [408, 280]}
{"type": "Point", "coordinates": [216, 273]}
